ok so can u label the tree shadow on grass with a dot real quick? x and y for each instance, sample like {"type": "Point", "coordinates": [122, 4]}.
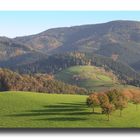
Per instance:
{"type": "Point", "coordinates": [62, 119]}
{"type": "Point", "coordinates": [67, 105]}
{"type": "Point", "coordinates": [59, 110]}
{"type": "Point", "coordinates": [50, 114]}
{"type": "Point", "coordinates": [73, 104]}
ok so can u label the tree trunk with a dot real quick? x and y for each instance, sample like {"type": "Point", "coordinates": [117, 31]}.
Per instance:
{"type": "Point", "coordinates": [120, 113]}
{"type": "Point", "coordinates": [93, 110]}
{"type": "Point", "coordinates": [136, 107]}
{"type": "Point", "coordinates": [108, 117]}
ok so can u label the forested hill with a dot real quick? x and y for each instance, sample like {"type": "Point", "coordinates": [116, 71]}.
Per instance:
{"type": "Point", "coordinates": [58, 62]}
{"type": "Point", "coordinates": [113, 45]}
{"type": "Point", "coordinates": [10, 80]}
{"type": "Point", "coordinates": [119, 39]}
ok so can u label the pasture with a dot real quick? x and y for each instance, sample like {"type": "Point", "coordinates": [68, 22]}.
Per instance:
{"type": "Point", "coordinates": [37, 110]}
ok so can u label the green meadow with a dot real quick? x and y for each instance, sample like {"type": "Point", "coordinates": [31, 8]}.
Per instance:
{"type": "Point", "coordinates": [38, 110]}
{"type": "Point", "coordinates": [89, 77]}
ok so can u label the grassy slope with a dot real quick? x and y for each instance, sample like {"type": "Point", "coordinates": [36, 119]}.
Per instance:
{"type": "Point", "coordinates": [18, 109]}
{"type": "Point", "coordinates": [90, 77]}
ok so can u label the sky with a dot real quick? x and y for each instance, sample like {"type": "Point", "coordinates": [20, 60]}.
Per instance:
{"type": "Point", "coordinates": [21, 23]}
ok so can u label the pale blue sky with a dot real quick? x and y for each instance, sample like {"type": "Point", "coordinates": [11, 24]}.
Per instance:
{"type": "Point", "coordinates": [20, 23]}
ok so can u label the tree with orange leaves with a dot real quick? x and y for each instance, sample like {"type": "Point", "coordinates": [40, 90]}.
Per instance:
{"type": "Point", "coordinates": [93, 101]}
{"type": "Point", "coordinates": [103, 99]}
{"type": "Point", "coordinates": [107, 109]}
{"type": "Point", "coordinates": [136, 99]}
{"type": "Point", "coordinates": [118, 99]}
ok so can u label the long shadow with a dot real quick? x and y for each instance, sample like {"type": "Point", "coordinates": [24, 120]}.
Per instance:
{"type": "Point", "coordinates": [84, 113]}
{"type": "Point", "coordinates": [65, 109]}
{"type": "Point", "coordinates": [66, 105]}
{"type": "Point", "coordinates": [57, 110]}
{"type": "Point", "coordinates": [63, 119]}
{"type": "Point", "coordinates": [51, 113]}
{"type": "Point", "coordinates": [74, 104]}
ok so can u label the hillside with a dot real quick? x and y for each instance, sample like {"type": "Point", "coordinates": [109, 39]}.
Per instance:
{"type": "Point", "coordinates": [12, 81]}
{"type": "Point", "coordinates": [114, 46]}
{"type": "Point", "coordinates": [22, 59]}
{"type": "Point", "coordinates": [119, 38]}
{"type": "Point", "coordinates": [13, 53]}
{"type": "Point", "coordinates": [58, 62]}
{"type": "Point", "coordinates": [116, 39]}
{"type": "Point", "coordinates": [33, 110]}
{"type": "Point", "coordinates": [10, 48]}
{"type": "Point", "coordinates": [89, 77]}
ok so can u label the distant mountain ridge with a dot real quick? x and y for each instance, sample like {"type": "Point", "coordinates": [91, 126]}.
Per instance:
{"type": "Point", "coordinates": [11, 48]}
{"type": "Point", "coordinates": [117, 37]}
{"type": "Point", "coordinates": [117, 41]}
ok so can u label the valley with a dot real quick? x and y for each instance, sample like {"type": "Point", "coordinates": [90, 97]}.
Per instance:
{"type": "Point", "coordinates": [72, 77]}
{"type": "Point", "coordinates": [113, 45]}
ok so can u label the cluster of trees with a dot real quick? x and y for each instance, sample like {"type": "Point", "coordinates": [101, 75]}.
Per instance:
{"type": "Point", "coordinates": [58, 62]}
{"type": "Point", "coordinates": [134, 82]}
{"type": "Point", "coordinates": [53, 63]}
{"type": "Point", "coordinates": [10, 80]}
{"type": "Point", "coordinates": [112, 100]}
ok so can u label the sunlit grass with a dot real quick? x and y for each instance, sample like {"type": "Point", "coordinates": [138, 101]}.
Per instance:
{"type": "Point", "coordinates": [36, 110]}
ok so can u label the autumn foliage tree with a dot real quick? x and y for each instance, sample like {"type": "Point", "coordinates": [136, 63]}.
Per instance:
{"type": "Point", "coordinates": [107, 109]}
{"type": "Point", "coordinates": [133, 96]}
{"type": "Point", "coordinates": [117, 99]}
{"type": "Point", "coordinates": [45, 83]}
{"type": "Point", "coordinates": [109, 101]}
{"type": "Point", "coordinates": [136, 99]}
{"type": "Point", "coordinates": [93, 101]}
{"type": "Point", "coordinates": [103, 99]}
{"type": "Point", "coordinates": [106, 106]}
{"type": "Point", "coordinates": [120, 104]}
{"type": "Point", "coordinates": [112, 95]}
